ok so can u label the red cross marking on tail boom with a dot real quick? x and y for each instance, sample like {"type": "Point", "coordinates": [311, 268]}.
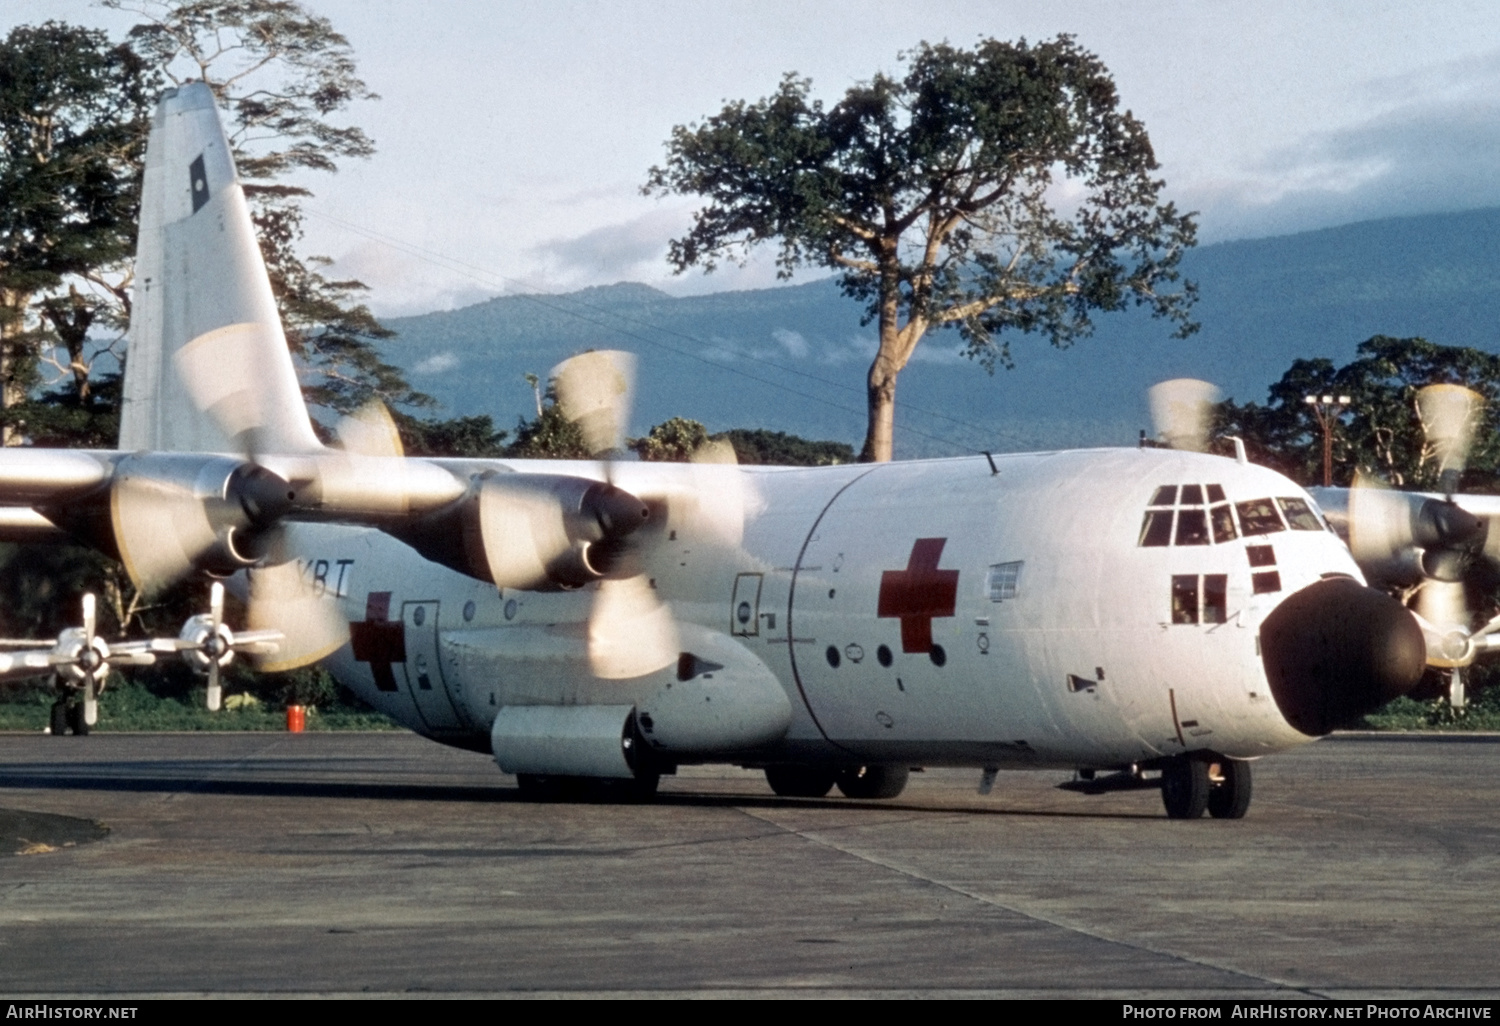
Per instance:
{"type": "Point", "coordinates": [919, 593]}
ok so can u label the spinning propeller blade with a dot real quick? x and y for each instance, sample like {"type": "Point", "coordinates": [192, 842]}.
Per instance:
{"type": "Point", "coordinates": [1181, 411]}
{"type": "Point", "coordinates": [1449, 415]}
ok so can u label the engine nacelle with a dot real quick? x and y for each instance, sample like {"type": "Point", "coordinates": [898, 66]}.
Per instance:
{"type": "Point", "coordinates": [563, 740]}
{"type": "Point", "coordinates": [535, 532]}
{"type": "Point", "coordinates": [168, 515]}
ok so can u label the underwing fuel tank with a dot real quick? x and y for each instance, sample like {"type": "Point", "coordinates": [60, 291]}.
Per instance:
{"type": "Point", "coordinates": [716, 701]}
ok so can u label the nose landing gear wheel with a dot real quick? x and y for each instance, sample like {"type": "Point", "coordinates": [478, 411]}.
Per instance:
{"type": "Point", "coordinates": [1229, 795]}
{"type": "Point", "coordinates": [1184, 787]}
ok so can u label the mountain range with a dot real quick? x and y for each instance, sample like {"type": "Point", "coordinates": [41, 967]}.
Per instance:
{"type": "Point", "coordinates": [794, 358]}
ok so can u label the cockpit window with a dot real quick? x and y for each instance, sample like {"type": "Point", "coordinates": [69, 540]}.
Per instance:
{"type": "Point", "coordinates": [1223, 523]}
{"type": "Point", "coordinates": [1259, 516]}
{"type": "Point", "coordinates": [1192, 526]}
{"type": "Point", "coordinates": [1192, 495]}
{"type": "Point", "coordinates": [1215, 493]}
{"type": "Point", "coordinates": [1156, 529]}
{"type": "Point", "coordinates": [1166, 495]}
{"type": "Point", "coordinates": [1298, 515]}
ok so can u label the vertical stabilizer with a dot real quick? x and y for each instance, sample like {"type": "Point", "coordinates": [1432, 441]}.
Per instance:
{"type": "Point", "coordinates": [207, 368]}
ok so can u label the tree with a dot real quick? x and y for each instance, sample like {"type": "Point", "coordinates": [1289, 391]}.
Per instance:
{"type": "Point", "coordinates": [676, 441]}
{"type": "Point", "coordinates": [672, 441]}
{"type": "Point", "coordinates": [759, 446]}
{"type": "Point", "coordinates": [73, 115]}
{"type": "Point", "coordinates": [1382, 432]}
{"type": "Point", "coordinates": [473, 437]}
{"type": "Point", "coordinates": [283, 73]}
{"type": "Point", "coordinates": [995, 190]}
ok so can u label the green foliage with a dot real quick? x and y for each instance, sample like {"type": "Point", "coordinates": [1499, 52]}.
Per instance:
{"type": "Point", "coordinates": [1482, 713]}
{"type": "Point", "coordinates": [66, 416]}
{"type": "Point", "coordinates": [473, 437]}
{"type": "Point", "coordinates": [551, 436]}
{"type": "Point", "coordinates": [779, 448]}
{"type": "Point", "coordinates": [672, 441]}
{"type": "Point", "coordinates": [73, 115]}
{"type": "Point", "coordinates": [676, 440]}
{"type": "Point", "coordinates": [1382, 432]}
{"type": "Point", "coordinates": [930, 194]}
{"type": "Point", "coordinates": [129, 704]}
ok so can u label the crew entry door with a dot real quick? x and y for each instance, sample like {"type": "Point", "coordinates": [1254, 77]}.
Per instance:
{"type": "Point", "coordinates": [424, 672]}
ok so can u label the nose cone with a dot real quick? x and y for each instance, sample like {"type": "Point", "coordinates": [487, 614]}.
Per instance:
{"type": "Point", "coordinates": [1336, 650]}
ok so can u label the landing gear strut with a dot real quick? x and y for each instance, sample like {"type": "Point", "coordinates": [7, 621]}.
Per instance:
{"type": "Point", "coordinates": [67, 717]}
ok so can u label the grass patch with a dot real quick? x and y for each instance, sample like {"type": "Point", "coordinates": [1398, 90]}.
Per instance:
{"type": "Point", "coordinates": [1410, 714]}
{"type": "Point", "coordinates": [128, 705]}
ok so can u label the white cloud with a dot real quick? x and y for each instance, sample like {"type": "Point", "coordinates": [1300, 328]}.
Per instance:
{"type": "Point", "coordinates": [437, 364]}
{"type": "Point", "coordinates": [1432, 145]}
{"type": "Point", "coordinates": [791, 341]}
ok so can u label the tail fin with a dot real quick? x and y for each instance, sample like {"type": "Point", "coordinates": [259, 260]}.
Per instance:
{"type": "Point", "coordinates": [208, 368]}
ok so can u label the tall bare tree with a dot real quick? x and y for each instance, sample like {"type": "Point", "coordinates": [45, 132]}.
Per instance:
{"type": "Point", "coordinates": [997, 190]}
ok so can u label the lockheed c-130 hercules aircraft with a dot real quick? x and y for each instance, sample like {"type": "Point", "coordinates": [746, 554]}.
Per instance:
{"type": "Point", "coordinates": [1144, 616]}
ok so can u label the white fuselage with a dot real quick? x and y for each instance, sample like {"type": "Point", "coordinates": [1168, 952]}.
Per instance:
{"type": "Point", "coordinates": [1056, 637]}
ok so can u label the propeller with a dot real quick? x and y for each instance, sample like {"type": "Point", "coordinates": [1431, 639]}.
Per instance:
{"type": "Point", "coordinates": [173, 514]}
{"type": "Point", "coordinates": [1181, 412]}
{"type": "Point", "coordinates": [631, 632]}
{"type": "Point", "coordinates": [1430, 545]}
{"type": "Point", "coordinates": [208, 645]}
{"type": "Point", "coordinates": [82, 659]}
{"type": "Point", "coordinates": [1449, 415]}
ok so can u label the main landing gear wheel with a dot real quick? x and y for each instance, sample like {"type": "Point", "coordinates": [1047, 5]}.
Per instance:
{"type": "Point", "coordinates": [800, 781]}
{"type": "Point", "coordinates": [1229, 790]}
{"type": "Point", "coordinates": [1184, 787]}
{"type": "Point", "coordinates": [76, 721]}
{"type": "Point", "coordinates": [873, 781]}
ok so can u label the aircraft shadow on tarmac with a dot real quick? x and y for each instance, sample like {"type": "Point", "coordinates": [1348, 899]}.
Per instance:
{"type": "Point", "coordinates": [176, 776]}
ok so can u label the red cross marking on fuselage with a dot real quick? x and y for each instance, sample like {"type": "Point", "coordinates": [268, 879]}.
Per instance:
{"type": "Point", "coordinates": [378, 641]}
{"type": "Point", "coordinates": [919, 593]}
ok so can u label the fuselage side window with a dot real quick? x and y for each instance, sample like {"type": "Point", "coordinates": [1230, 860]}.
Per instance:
{"type": "Point", "coordinates": [1192, 526]}
{"type": "Point", "coordinates": [1298, 515]}
{"type": "Point", "coordinates": [1215, 598]}
{"type": "Point", "coordinates": [1259, 516]}
{"type": "Point", "coordinates": [1223, 524]}
{"type": "Point", "coordinates": [1185, 598]}
{"type": "Point", "coordinates": [1156, 529]}
{"type": "Point", "coordinates": [1004, 581]}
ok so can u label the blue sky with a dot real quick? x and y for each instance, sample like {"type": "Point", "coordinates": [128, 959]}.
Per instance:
{"type": "Point", "coordinates": [513, 137]}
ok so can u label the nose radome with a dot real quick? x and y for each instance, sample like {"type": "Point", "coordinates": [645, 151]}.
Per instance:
{"type": "Point", "coordinates": [1336, 650]}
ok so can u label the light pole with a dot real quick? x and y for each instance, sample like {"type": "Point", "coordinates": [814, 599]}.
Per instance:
{"type": "Point", "coordinates": [1327, 409]}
